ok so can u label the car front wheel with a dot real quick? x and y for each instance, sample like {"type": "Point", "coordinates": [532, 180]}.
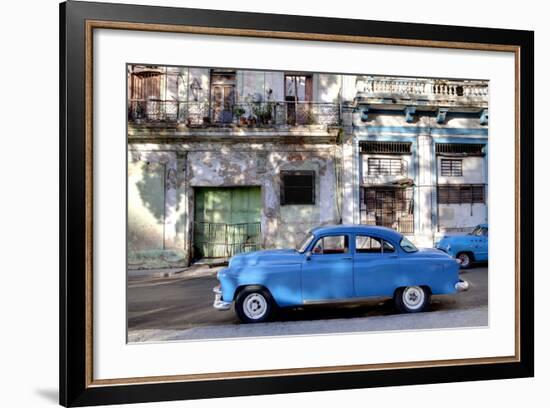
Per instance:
{"type": "Point", "coordinates": [464, 259]}
{"type": "Point", "coordinates": [412, 299]}
{"type": "Point", "coordinates": [254, 305]}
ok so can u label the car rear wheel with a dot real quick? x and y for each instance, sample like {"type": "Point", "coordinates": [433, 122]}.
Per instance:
{"type": "Point", "coordinates": [412, 299]}
{"type": "Point", "coordinates": [465, 260]}
{"type": "Point", "coordinates": [254, 305]}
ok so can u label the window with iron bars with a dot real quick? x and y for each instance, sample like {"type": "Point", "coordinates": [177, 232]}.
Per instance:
{"type": "Point", "coordinates": [470, 149]}
{"type": "Point", "coordinates": [386, 147]}
{"type": "Point", "coordinates": [389, 207]}
{"type": "Point", "coordinates": [298, 187]}
{"type": "Point", "coordinates": [385, 167]}
{"type": "Point", "coordinates": [461, 194]}
{"type": "Point", "coordinates": [451, 167]}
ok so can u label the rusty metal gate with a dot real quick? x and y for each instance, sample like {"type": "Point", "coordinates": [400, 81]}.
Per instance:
{"type": "Point", "coordinates": [215, 240]}
{"type": "Point", "coordinates": [227, 221]}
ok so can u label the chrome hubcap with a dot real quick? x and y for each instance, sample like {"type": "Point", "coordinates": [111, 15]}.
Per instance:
{"type": "Point", "coordinates": [464, 259]}
{"type": "Point", "coordinates": [255, 306]}
{"type": "Point", "coordinates": [413, 297]}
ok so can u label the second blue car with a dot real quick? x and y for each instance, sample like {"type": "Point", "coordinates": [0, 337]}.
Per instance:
{"type": "Point", "coordinates": [467, 248]}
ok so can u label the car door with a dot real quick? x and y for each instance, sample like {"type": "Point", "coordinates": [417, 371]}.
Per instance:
{"type": "Point", "coordinates": [327, 271]}
{"type": "Point", "coordinates": [375, 266]}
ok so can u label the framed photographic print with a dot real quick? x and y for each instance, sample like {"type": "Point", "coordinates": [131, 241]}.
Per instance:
{"type": "Point", "coordinates": [255, 203]}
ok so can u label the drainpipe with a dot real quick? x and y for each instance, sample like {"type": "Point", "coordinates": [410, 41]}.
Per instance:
{"type": "Point", "coordinates": [436, 196]}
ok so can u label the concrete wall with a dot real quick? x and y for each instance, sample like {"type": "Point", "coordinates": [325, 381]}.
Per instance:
{"type": "Point", "coordinates": [164, 239]}
{"type": "Point", "coordinates": [457, 217]}
{"type": "Point", "coordinates": [156, 209]}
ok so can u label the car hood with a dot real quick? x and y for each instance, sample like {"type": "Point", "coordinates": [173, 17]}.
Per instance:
{"type": "Point", "coordinates": [275, 256]}
{"type": "Point", "coordinates": [431, 253]}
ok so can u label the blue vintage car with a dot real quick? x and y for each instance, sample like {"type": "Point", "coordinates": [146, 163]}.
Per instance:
{"type": "Point", "coordinates": [469, 248]}
{"type": "Point", "coordinates": [335, 264]}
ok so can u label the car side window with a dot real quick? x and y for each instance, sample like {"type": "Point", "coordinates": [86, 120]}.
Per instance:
{"type": "Point", "coordinates": [337, 244]}
{"type": "Point", "coordinates": [388, 248]}
{"type": "Point", "coordinates": [484, 232]}
{"type": "Point", "coordinates": [367, 245]}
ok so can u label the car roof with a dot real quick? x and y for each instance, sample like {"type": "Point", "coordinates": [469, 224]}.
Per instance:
{"type": "Point", "coordinates": [382, 232]}
{"type": "Point", "coordinates": [483, 225]}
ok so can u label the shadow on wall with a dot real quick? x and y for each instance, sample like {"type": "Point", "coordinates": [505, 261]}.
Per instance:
{"type": "Point", "coordinates": [151, 189]}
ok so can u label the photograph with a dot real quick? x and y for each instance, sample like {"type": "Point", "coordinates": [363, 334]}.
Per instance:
{"type": "Point", "coordinates": [255, 203]}
{"type": "Point", "coordinates": [284, 203]}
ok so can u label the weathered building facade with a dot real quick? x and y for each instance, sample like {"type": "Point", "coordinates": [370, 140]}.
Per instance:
{"type": "Point", "coordinates": [222, 161]}
{"type": "Point", "coordinates": [417, 158]}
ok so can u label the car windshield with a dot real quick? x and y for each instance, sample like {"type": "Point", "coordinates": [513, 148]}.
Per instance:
{"type": "Point", "coordinates": [302, 246]}
{"type": "Point", "coordinates": [475, 231]}
{"type": "Point", "coordinates": [407, 245]}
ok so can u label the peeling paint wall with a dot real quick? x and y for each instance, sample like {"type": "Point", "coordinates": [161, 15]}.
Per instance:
{"type": "Point", "coordinates": [154, 211]}
{"type": "Point", "coordinates": [261, 165]}
{"type": "Point", "coordinates": [222, 165]}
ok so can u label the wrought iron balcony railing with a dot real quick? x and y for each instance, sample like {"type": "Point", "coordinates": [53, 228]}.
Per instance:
{"type": "Point", "coordinates": [240, 114]}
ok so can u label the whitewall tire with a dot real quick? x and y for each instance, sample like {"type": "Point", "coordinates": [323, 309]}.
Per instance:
{"type": "Point", "coordinates": [412, 299]}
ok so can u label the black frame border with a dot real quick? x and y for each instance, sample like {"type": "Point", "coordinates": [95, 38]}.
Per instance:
{"type": "Point", "coordinates": [72, 311]}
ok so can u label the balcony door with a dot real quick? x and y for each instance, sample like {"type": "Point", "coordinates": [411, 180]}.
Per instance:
{"type": "Point", "coordinates": [223, 97]}
{"type": "Point", "coordinates": [298, 97]}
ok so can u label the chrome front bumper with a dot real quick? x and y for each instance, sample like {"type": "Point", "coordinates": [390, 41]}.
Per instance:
{"type": "Point", "coordinates": [462, 286]}
{"type": "Point", "coordinates": [219, 304]}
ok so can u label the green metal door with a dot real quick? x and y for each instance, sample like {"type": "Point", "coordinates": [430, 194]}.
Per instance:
{"type": "Point", "coordinates": [227, 221]}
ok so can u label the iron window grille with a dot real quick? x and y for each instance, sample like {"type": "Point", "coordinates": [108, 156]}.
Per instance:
{"type": "Point", "coordinates": [385, 167]}
{"type": "Point", "coordinates": [464, 149]}
{"type": "Point", "coordinates": [298, 187]}
{"type": "Point", "coordinates": [451, 167]}
{"type": "Point", "coordinates": [386, 147]}
{"type": "Point", "coordinates": [461, 194]}
{"type": "Point", "coordinates": [391, 207]}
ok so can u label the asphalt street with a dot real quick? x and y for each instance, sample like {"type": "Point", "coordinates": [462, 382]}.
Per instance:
{"type": "Point", "coordinates": [180, 308]}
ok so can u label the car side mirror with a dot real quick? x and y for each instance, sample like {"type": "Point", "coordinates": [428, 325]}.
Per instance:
{"type": "Point", "coordinates": [308, 256]}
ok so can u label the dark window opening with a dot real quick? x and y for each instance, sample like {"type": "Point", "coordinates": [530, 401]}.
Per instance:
{"type": "Point", "coordinates": [297, 187]}
{"type": "Point", "coordinates": [451, 168]}
{"type": "Point", "coordinates": [386, 147]}
{"type": "Point", "coordinates": [385, 167]}
{"type": "Point", "coordinates": [461, 194]}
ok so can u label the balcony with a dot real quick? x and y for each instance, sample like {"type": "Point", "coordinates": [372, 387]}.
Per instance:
{"type": "Point", "coordinates": [251, 114]}
{"type": "Point", "coordinates": [418, 91]}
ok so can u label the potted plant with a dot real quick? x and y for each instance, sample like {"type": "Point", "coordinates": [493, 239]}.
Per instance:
{"type": "Point", "coordinates": [239, 115]}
